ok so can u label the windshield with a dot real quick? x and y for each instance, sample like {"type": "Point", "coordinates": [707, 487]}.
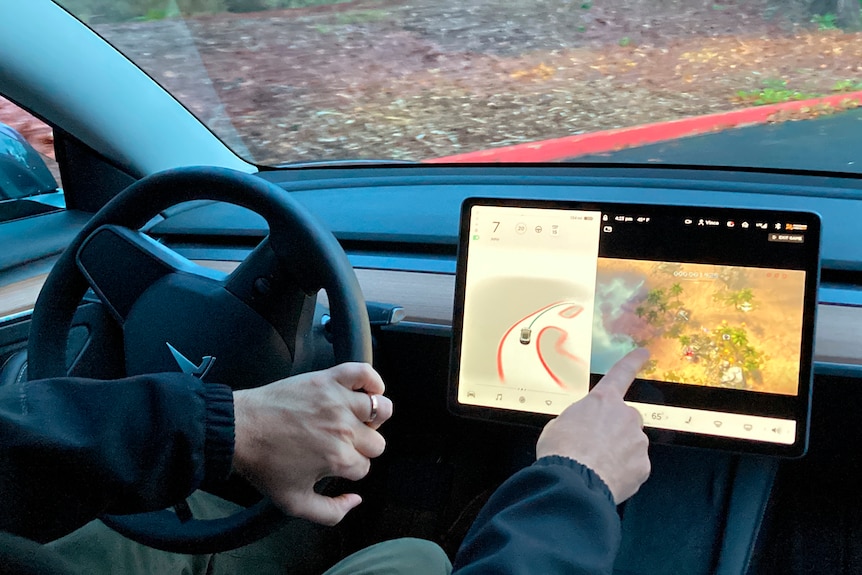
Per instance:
{"type": "Point", "coordinates": [771, 83]}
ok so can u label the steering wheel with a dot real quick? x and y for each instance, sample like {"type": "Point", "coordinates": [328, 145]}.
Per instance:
{"type": "Point", "coordinates": [246, 328]}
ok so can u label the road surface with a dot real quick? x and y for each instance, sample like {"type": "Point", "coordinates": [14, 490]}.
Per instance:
{"type": "Point", "coordinates": [832, 143]}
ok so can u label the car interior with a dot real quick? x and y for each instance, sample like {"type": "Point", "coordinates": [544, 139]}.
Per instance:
{"type": "Point", "coordinates": [382, 243]}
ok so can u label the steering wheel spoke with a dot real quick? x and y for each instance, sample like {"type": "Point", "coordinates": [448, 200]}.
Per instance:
{"type": "Point", "coordinates": [283, 298]}
{"type": "Point", "coordinates": [120, 264]}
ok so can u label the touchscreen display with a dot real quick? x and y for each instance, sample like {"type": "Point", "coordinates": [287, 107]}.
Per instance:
{"type": "Point", "coordinates": [550, 295]}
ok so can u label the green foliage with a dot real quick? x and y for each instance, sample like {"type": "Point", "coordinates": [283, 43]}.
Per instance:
{"type": "Point", "coordinates": [155, 14]}
{"type": "Point", "coordinates": [260, 5]}
{"type": "Point", "coordinates": [249, 5]}
{"type": "Point", "coordinates": [625, 41]}
{"type": "Point", "coordinates": [351, 17]}
{"type": "Point", "coordinates": [655, 296]}
{"type": "Point", "coordinates": [773, 92]}
{"type": "Point", "coordinates": [752, 362]}
{"type": "Point", "coordinates": [96, 11]}
{"type": "Point", "coordinates": [361, 16]}
{"type": "Point", "coordinates": [735, 347]}
{"type": "Point", "coordinates": [649, 367]}
{"type": "Point", "coordinates": [737, 298]}
{"type": "Point", "coordinates": [655, 307]}
{"type": "Point", "coordinates": [847, 85]}
{"type": "Point", "coordinates": [828, 21]}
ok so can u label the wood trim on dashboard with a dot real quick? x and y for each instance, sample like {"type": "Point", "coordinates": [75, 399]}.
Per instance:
{"type": "Point", "coordinates": [427, 298]}
{"type": "Point", "coordinates": [20, 296]}
{"type": "Point", "coordinates": [837, 339]}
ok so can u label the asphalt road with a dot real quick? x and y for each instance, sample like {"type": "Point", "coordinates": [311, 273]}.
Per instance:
{"type": "Point", "coordinates": [832, 143]}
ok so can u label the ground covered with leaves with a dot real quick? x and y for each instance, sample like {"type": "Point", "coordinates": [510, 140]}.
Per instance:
{"type": "Point", "coordinates": [427, 78]}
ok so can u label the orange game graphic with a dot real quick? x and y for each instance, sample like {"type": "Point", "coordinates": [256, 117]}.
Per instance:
{"type": "Point", "coordinates": [708, 325]}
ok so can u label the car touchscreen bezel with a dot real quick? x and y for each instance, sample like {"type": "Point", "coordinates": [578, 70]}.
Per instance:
{"type": "Point", "coordinates": [724, 254]}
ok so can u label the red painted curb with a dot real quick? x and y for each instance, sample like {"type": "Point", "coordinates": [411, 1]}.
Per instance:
{"type": "Point", "coordinates": [609, 140]}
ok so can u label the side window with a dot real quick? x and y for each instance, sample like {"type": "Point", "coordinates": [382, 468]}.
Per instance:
{"type": "Point", "coordinates": [28, 168]}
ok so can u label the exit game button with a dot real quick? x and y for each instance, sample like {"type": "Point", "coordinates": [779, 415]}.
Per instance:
{"type": "Point", "coordinates": [787, 238]}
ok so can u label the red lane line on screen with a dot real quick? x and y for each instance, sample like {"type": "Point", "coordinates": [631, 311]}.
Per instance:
{"type": "Point", "coordinates": [572, 311]}
{"type": "Point", "coordinates": [559, 348]}
{"type": "Point", "coordinates": [505, 335]}
{"type": "Point", "coordinates": [556, 149]}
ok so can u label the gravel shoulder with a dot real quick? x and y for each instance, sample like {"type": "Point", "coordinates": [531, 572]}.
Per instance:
{"type": "Point", "coordinates": [429, 78]}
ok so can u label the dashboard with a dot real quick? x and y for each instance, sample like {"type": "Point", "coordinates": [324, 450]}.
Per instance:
{"type": "Point", "coordinates": [400, 227]}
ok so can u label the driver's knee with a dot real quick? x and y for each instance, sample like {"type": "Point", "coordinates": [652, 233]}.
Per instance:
{"type": "Point", "coordinates": [396, 557]}
{"type": "Point", "coordinates": [24, 557]}
{"type": "Point", "coordinates": [97, 549]}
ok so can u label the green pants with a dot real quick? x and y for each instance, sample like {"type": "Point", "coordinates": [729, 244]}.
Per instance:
{"type": "Point", "coordinates": [301, 547]}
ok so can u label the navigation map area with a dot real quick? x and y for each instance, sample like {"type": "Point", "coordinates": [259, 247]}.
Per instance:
{"type": "Point", "coordinates": [708, 325]}
{"type": "Point", "coordinates": [528, 308]}
{"type": "Point", "coordinates": [549, 342]}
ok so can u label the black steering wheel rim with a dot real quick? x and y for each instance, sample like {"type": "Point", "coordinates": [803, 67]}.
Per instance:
{"type": "Point", "coordinates": [296, 238]}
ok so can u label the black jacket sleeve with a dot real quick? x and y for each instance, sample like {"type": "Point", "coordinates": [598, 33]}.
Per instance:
{"type": "Point", "coordinates": [556, 516]}
{"type": "Point", "coordinates": [71, 449]}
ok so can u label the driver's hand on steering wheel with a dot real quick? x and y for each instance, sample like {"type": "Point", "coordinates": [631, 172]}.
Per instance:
{"type": "Point", "coordinates": [292, 433]}
{"type": "Point", "coordinates": [603, 433]}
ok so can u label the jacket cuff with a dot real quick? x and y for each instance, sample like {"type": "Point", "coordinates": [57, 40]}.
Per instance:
{"type": "Point", "coordinates": [219, 438]}
{"type": "Point", "coordinates": [590, 477]}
